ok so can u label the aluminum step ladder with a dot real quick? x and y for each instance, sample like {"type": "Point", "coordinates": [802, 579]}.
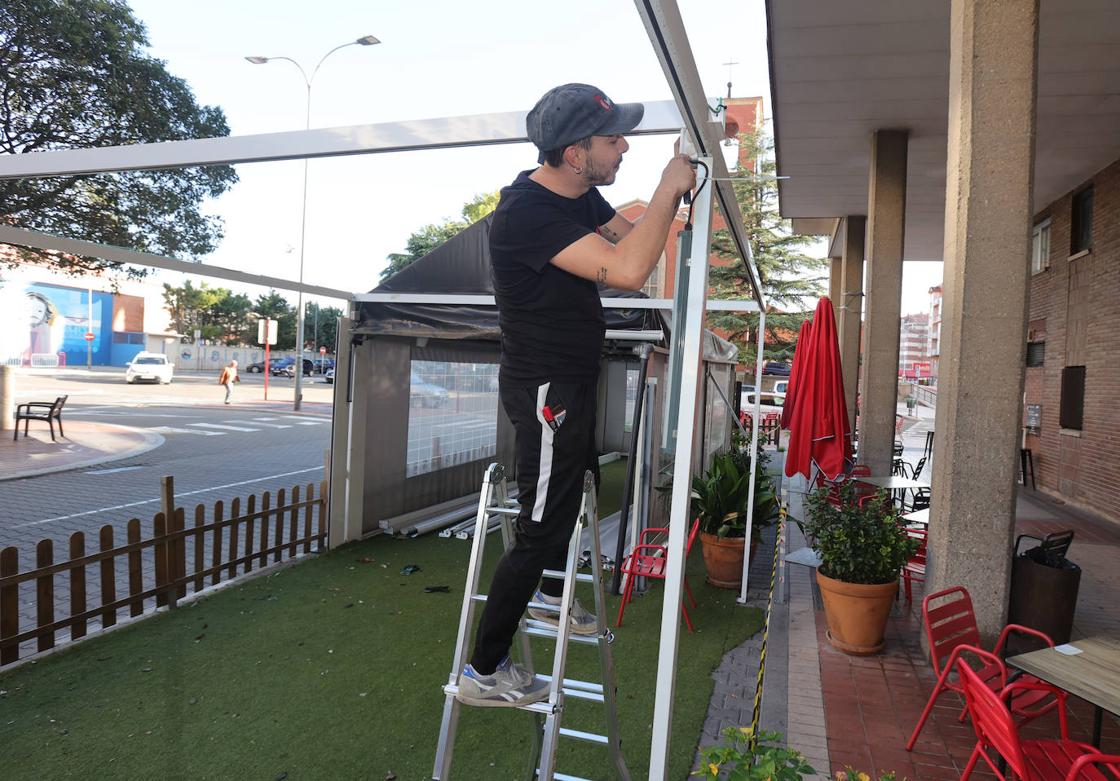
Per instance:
{"type": "Point", "coordinates": [546, 724]}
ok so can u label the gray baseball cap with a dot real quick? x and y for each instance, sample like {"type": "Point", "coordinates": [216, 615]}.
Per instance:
{"type": "Point", "coordinates": [572, 112]}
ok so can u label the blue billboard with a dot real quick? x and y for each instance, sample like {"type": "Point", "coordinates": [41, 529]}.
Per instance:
{"type": "Point", "coordinates": [47, 320]}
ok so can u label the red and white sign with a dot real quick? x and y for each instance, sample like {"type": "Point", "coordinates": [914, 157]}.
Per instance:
{"type": "Point", "coordinates": [89, 337]}
{"type": "Point", "coordinates": [322, 351]}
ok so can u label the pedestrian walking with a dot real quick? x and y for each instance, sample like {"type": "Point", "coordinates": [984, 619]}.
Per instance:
{"type": "Point", "coordinates": [553, 238]}
{"type": "Point", "coordinates": [228, 377]}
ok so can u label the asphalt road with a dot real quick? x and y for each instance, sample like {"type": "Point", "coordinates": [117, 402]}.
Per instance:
{"type": "Point", "coordinates": [213, 452]}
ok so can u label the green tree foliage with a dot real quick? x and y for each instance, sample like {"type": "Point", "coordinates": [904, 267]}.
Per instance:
{"type": "Point", "coordinates": [277, 307]}
{"type": "Point", "coordinates": [791, 279]}
{"type": "Point", "coordinates": [320, 326]}
{"type": "Point", "coordinates": [75, 74]}
{"type": "Point", "coordinates": [426, 239]}
{"type": "Point", "coordinates": [217, 312]}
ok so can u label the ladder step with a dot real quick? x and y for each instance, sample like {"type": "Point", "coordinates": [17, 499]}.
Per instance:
{"type": "Point", "coordinates": [565, 777]}
{"type": "Point", "coordinates": [582, 577]}
{"type": "Point", "coordinates": [536, 707]}
{"type": "Point", "coordinates": [512, 511]}
{"type": "Point", "coordinates": [587, 737]}
{"type": "Point", "coordinates": [572, 684]}
{"type": "Point", "coordinates": [543, 629]}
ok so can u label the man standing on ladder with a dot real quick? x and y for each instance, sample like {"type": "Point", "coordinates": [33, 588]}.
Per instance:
{"type": "Point", "coordinates": [553, 237]}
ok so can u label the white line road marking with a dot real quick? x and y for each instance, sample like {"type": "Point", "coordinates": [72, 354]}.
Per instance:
{"type": "Point", "coordinates": [173, 430]}
{"type": "Point", "coordinates": [222, 426]}
{"type": "Point", "coordinates": [177, 496]}
{"type": "Point", "coordinates": [259, 422]}
{"type": "Point", "coordinates": [112, 471]}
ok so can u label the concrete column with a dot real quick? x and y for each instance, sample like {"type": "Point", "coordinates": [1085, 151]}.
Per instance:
{"type": "Point", "coordinates": [992, 93]}
{"type": "Point", "coordinates": [878, 380]}
{"type": "Point", "coordinates": [851, 310]}
{"type": "Point", "coordinates": [7, 398]}
{"type": "Point", "coordinates": [836, 287]}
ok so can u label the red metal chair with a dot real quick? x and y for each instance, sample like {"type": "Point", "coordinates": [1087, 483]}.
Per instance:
{"type": "Point", "coordinates": [1029, 760]}
{"type": "Point", "coordinates": [950, 624]}
{"type": "Point", "coordinates": [915, 568]}
{"type": "Point", "coordinates": [649, 560]}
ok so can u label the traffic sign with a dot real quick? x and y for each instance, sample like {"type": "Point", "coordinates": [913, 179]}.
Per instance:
{"type": "Point", "coordinates": [322, 351]}
{"type": "Point", "coordinates": [266, 331]}
{"type": "Point", "coordinates": [89, 337]}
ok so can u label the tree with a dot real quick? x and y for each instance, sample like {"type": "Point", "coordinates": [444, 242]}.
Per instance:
{"type": "Point", "coordinates": [790, 278]}
{"type": "Point", "coordinates": [277, 307]}
{"type": "Point", "coordinates": [423, 241]}
{"type": "Point", "coordinates": [217, 312]}
{"type": "Point", "coordinates": [75, 74]}
{"type": "Point", "coordinates": [321, 325]}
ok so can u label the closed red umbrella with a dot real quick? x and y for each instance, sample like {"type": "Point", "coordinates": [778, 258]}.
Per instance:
{"type": "Point", "coordinates": [803, 338]}
{"type": "Point", "coordinates": [818, 418]}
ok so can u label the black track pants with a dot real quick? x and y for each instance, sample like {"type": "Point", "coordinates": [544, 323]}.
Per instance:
{"type": "Point", "coordinates": [551, 463]}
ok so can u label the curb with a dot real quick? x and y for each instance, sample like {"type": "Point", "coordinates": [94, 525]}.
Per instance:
{"type": "Point", "coordinates": [151, 442]}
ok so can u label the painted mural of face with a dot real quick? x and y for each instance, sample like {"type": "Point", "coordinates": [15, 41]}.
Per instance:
{"type": "Point", "coordinates": [39, 309]}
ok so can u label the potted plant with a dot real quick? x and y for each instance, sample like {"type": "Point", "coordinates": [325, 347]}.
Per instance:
{"type": "Point", "coordinates": [719, 500]}
{"type": "Point", "coordinates": [862, 548]}
{"type": "Point", "coordinates": [745, 760]}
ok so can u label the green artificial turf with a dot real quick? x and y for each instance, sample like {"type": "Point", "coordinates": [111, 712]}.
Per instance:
{"type": "Point", "coordinates": [331, 669]}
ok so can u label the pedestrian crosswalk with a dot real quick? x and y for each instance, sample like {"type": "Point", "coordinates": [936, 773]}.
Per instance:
{"type": "Point", "coordinates": [240, 425]}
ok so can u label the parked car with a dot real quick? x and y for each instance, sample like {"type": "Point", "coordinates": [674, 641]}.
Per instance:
{"type": "Point", "coordinates": [780, 386]}
{"type": "Point", "coordinates": [257, 368]}
{"type": "Point", "coordinates": [328, 376]}
{"type": "Point", "coordinates": [149, 367]}
{"type": "Point", "coordinates": [322, 365]}
{"type": "Point", "coordinates": [776, 367]}
{"type": "Point", "coordinates": [770, 402]}
{"type": "Point", "coordinates": [425, 394]}
{"type": "Point", "coordinates": [277, 366]}
{"type": "Point", "coordinates": [308, 367]}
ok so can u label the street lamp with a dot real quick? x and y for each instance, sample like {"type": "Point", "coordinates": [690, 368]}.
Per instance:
{"type": "Point", "coordinates": [365, 40]}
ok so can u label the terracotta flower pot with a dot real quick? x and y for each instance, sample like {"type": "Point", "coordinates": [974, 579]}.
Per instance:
{"type": "Point", "coordinates": [724, 559]}
{"type": "Point", "coordinates": [856, 613]}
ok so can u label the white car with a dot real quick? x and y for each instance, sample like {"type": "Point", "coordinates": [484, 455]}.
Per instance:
{"type": "Point", "coordinates": [151, 367]}
{"type": "Point", "coordinates": [771, 402]}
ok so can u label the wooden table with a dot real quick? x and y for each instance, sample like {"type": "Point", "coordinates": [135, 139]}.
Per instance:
{"type": "Point", "coordinates": [896, 484]}
{"type": "Point", "coordinates": [920, 517]}
{"type": "Point", "coordinates": [1093, 675]}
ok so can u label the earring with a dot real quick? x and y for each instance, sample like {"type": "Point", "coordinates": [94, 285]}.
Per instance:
{"type": "Point", "coordinates": [579, 171]}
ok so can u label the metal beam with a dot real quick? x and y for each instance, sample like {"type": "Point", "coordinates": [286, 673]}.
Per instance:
{"type": "Point", "coordinates": [661, 117]}
{"type": "Point", "coordinates": [34, 240]}
{"type": "Point", "coordinates": [479, 299]}
{"type": "Point", "coordinates": [666, 32]}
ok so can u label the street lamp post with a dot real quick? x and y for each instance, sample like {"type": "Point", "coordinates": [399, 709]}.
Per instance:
{"type": "Point", "coordinates": [365, 40]}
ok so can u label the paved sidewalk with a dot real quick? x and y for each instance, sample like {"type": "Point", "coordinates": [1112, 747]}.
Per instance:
{"type": "Point", "coordinates": [86, 444]}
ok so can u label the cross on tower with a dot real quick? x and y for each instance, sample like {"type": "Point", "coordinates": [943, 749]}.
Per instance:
{"type": "Point", "coordinates": [730, 64]}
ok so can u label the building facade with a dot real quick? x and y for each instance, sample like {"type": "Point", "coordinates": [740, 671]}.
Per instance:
{"type": "Point", "coordinates": [1072, 385]}
{"type": "Point", "coordinates": [934, 349]}
{"type": "Point", "coordinates": [913, 347]}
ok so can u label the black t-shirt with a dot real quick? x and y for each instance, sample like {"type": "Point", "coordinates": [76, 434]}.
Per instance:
{"type": "Point", "coordinates": [552, 321]}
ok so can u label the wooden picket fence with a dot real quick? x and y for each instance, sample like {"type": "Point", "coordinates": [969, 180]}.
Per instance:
{"type": "Point", "coordinates": [238, 544]}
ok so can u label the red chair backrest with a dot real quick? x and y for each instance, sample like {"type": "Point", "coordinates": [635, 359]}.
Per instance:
{"type": "Point", "coordinates": [860, 470]}
{"type": "Point", "coordinates": [919, 556]}
{"type": "Point", "coordinates": [991, 719]}
{"type": "Point", "coordinates": [692, 537]}
{"type": "Point", "coordinates": [949, 623]}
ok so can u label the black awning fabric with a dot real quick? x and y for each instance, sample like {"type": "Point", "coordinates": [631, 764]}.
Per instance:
{"type": "Point", "coordinates": [461, 265]}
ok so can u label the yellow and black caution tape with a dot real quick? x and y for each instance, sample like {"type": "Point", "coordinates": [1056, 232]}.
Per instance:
{"type": "Point", "coordinates": [757, 714]}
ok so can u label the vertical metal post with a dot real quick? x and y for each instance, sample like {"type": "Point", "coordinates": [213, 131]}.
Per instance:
{"type": "Point", "coordinates": [754, 451]}
{"type": "Point", "coordinates": [687, 393]}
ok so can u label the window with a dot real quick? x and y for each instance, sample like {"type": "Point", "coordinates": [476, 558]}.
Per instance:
{"type": "Point", "coordinates": [1081, 222]}
{"type": "Point", "coordinates": [1073, 397]}
{"type": "Point", "coordinates": [452, 416]}
{"type": "Point", "coordinates": [1040, 247]}
{"type": "Point", "coordinates": [1036, 353]}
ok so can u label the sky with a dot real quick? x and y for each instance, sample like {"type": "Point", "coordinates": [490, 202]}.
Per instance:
{"type": "Point", "coordinates": [437, 58]}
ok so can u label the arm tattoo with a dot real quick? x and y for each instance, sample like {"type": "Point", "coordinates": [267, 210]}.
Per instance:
{"type": "Point", "coordinates": [602, 275]}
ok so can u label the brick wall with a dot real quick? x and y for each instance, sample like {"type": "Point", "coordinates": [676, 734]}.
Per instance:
{"type": "Point", "coordinates": [1083, 470]}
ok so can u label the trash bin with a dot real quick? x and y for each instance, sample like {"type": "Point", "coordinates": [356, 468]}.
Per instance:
{"type": "Point", "coordinates": [1044, 586]}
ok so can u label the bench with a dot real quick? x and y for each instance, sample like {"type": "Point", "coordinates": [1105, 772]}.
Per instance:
{"type": "Point", "coordinates": [40, 410]}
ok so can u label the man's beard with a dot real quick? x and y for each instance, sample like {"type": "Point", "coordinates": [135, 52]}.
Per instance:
{"type": "Point", "coordinates": [596, 175]}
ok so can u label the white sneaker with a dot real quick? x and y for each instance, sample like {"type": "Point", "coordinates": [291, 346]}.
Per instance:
{"type": "Point", "coordinates": [583, 622]}
{"type": "Point", "coordinates": [510, 686]}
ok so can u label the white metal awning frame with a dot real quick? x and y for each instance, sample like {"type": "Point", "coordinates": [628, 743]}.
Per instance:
{"type": "Point", "coordinates": [667, 35]}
